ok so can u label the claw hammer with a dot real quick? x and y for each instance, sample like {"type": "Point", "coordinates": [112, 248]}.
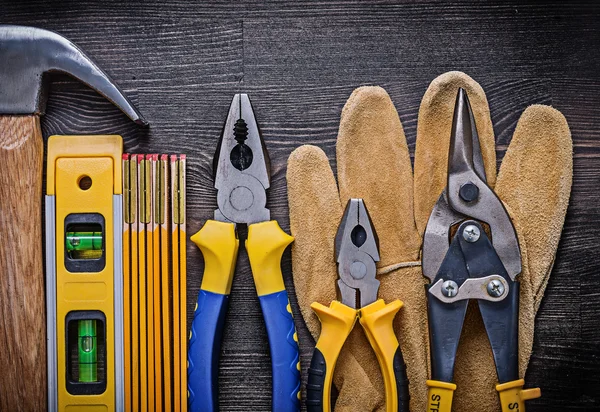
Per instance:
{"type": "Point", "coordinates": [27, 54]}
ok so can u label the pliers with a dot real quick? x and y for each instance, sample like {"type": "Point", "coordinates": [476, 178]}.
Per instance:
{"type": "Point", "coordinates": [241, 170]}
{"type": "Point", "coordinates": [471, 251]}
{"type": "Point", "coordinates": [356, 251]}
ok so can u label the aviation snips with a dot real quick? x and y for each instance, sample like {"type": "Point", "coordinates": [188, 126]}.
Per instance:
{"type": "Point", "coordinates": [471, 251]}
{"type": "Point", "coordinates": [241, 178]}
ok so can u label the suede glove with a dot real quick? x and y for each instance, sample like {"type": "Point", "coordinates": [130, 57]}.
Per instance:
{"type": "Point", "coordinates": [373, 163]}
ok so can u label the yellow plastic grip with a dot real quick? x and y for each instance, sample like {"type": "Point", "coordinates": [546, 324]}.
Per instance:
{"type": "Point", "coordinates": [439, 396]}
{"type": "Point", "coordinates": [513, 396]}
{"type": "Point", "coordinates": [377, 320]}
{"type": "Point", "coordinates": [219, 245]}
{"type": "Point", "coordinates": [337, 322]}
{"type": "Point", "coordinates": [265, 245]}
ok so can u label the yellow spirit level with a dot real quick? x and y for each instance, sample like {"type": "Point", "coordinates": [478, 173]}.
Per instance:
{"type": "Point", "coordinates": [84, 273]}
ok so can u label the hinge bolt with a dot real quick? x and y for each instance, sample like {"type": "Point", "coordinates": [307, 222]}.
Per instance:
{"type": "Point", "coordinates": [468, 192]}
{"type": "Point", "coordinates": [471, 233]}
{"type": "Point", "coordinates": [495, 288]}
{"type": "Point", "coordinates": [449, 288]}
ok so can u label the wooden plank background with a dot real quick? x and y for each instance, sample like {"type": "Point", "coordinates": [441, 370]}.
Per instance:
{"type": "Point", "coordinates": [299, 61]}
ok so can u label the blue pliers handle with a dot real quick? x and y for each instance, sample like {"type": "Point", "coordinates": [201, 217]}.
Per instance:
{"type": "Point", "coordinates": [265, 245]}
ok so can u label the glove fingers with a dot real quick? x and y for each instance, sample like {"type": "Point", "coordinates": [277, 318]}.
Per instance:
{"type": "Point", "coordinates": [433, 138]}
{"type": "Point", "coordinates": [535, 183]}
{"type": "Point", "coordinates": [315, 212]}
{"type": "Point", "coordinates": [373, 163]}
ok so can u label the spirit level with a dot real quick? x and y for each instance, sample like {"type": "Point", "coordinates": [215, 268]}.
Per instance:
{"type": "Point", "coordinates": [84, 284]}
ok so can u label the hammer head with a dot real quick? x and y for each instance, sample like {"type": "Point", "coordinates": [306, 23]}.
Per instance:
{"type": "Point", "coordinates": [28, 53]}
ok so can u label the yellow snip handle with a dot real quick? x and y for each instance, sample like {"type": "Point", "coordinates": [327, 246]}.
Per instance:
{"type": "Point", "coordinates": [513, 396]}
{"type": "Point", "coordinates": [337, 322]}
{"type": "Point", "coordinates": [439, 396]}
{"type": "Point", "coordinates": [377, 320]}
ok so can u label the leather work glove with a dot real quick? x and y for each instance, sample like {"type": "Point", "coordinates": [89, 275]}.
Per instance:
{"type": "Point", "coordinates": [373, 163]}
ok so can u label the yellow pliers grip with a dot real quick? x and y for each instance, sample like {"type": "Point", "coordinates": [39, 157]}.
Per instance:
{"type": "Point", "coordinates": [337, 322]}
{"type": "Point", "coordinates": [377, 319]}
{"type": "Point", "coordinates": [219, 245]}
{"type": "Point", "coordinates": [265, 245]}
{"type": "Point", "coordinates": [513, 396]}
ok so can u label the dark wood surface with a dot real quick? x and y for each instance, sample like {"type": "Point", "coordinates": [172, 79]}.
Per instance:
{"type": "Point", "coordinates": [299, 61]}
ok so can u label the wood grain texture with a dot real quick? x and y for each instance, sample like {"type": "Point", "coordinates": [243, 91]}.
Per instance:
{"type": "Point", "coordinates": [22, 304]}
{"type": "Point", "coordinates": [181, 62]}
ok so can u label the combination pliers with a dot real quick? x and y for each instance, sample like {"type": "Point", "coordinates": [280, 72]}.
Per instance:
{"type": "Point", "coordinates": [241, 178]}
{"type": "Point", "coordinates": [356, 252]}
{"type": "Point", "coordinates": [471, 251]}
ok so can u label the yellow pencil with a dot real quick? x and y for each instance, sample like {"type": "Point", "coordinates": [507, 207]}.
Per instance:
{"type": "Point", "coordinates": [143, 219]}
{"type": "Point", "coordinates": [156, 228]}
{"type": "Point", "coordinates": [166, 306]}
{"type": "Point", "coordinates": [177, 395]}
{"type": "Point", "coordinates": [135, 314]}
{"type": "Point", "coordinates": [148, 182]}
{"type": "Point", "coordinates": [127, 219]}
{"type": "Point", "coordinates": [181, 181]}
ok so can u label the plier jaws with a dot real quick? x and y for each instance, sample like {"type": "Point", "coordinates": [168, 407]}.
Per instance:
{"type": "Point", "coordinates": [356, 252]}
{"type": "Point", "coordinates": [241, 167]}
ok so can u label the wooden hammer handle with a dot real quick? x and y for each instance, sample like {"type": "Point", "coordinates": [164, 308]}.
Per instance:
{"type": "Point", "coordinates": [22, 305]}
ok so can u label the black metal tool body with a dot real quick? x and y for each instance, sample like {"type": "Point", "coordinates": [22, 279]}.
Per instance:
{"type": "Point", "coordinates": [471, 252]}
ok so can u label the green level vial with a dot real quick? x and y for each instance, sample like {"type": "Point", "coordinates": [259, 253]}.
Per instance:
{"type": "Point", "coordinates": [80, 241]}
{"type": "Point", "coordinates": [88, 351]}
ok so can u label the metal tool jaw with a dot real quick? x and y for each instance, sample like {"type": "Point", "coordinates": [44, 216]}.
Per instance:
{"type": "Point", "coordinates": [467, 196]}
{"type": "Point", "coordinates": [470, 251]}
{"type": "Point", "coordinates": [356, 251]}
{"type": "Point", "coordinates": [30, 53]}
{"type": "Point", "coordinates": [241, 167]}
